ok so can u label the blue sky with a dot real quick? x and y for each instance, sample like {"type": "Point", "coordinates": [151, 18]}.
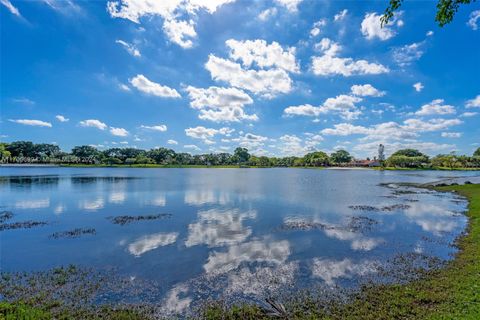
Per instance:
{"type": "Point", "coordinates": [278, 77]}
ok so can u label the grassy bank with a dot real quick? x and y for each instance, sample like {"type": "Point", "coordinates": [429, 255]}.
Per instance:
{"type": "Point", "coordinates": [451, 292]}
{"type": "Point", "coordinates": [431, 168]}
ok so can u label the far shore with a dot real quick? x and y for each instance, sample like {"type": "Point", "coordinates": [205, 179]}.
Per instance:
{"type": "Point", "coordinates": [161, 166]}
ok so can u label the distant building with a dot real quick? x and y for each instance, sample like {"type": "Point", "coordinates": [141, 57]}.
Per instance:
{"type": "Point", "coordinates": [365, 163]}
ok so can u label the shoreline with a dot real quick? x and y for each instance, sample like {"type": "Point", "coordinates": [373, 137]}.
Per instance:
{"type": "Point", "coordinates": [451, 291]}
{"type": "Point", "coordinates": [161, 166]}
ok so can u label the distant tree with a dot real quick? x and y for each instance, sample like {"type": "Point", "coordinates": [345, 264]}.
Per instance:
{"type": "Point", "coordinates": [112, 153]}
{"type": "Point", "coordinates": [112, 160]}
{"type": "Point", "coordinates": [449, 161]}
{"type": "Point", "coordinates": [4, 153]}
{"type": "Point", "coordinates": [241, 155]}
{"type": "Point", "coordinates": [253, 161]}
{"type": "Point", "coordinates": [85, 152]}
{"type": "Point", "coordinates": [381, 152]}
{"type": "Point", "coordinates": [316, 159]}
{"type": "Point", "coordinates": [477, 153]}
{"type": "Point", "coordinates": [408, 158]}
{"type": "Point", "coordinates": [341, 156]}
{"type": "Point", "coordinates": [183, 158]}
{"type": "Point", "coordinates": [224, 158]}
{"type": "Point", "coordinates": [46, 150]}
{"type": "Point", "coordinates": [162, 155]}
{"type": "Point", "coordinates": [446, 10]}
{"type": "Point", "coordinates": [286, 161]}
{"type": "Point", "coordinates": [408, 153]}
{"type": "Point", "coordinates": [142, 159]}
{"type": "Point", "coordinates": [131, 152]}
{"type": "Point", "coordinates": [22, 149]}
{"type": "Point", "coordinates": [407, 162]}
{"type": "Point", "coordinates": [123, 153]}
{"type": "Point", "coordinates": [264, 161]}
{"type": "Point", "coordinates": [299, 162]}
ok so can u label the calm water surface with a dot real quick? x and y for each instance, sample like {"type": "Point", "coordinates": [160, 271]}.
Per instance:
{"type": "Point", "coordinates": [232, 233]}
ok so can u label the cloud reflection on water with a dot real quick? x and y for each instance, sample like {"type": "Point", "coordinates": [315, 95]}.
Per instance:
{"type": "Point", "coordinates": [151, 242]}
{"type": "Point", "coordinates": [91, 205]}
{"type": "Point", "coordinates": [329, 270]}
{"type": "Point", "coordinates": [174, 303]}
{"type": "Point", "coordinates": [219, 227]}
{"type": "Point", "coordinates": [432, 218]}
{"type": "Point", "coordinates": [32, 204]}
{"type": "Point", "coordinates": [269, 251]}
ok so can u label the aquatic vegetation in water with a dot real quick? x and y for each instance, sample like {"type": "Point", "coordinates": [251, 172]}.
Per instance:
{"type": "Point", "coordinates": [301, 224]}
{"type": "Point", "coordinates": [21, 225]}
{"type": "Point", "coordinates": [361, 223]}
{"type": "Point", "coordinates": [75, 233]}
{"type": "Point", "coordinates": [393, 207]}
{"type": "Point", "coordinates": [123, 220]}
{"type": "Point", "coordinates": [5, 215]}
{"type": "Point", "coordinates": [364, 208]}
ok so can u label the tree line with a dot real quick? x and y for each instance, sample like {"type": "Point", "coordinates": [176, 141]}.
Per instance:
{"type": "Point", "coordinates": [29, 152]}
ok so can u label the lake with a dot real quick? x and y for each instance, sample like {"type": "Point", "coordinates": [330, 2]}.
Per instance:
{"type": "Point", "coordinates": [180, 236]}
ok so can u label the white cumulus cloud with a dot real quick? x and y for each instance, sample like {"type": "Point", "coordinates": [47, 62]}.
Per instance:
{"type": "Point", "coordinates": [268, 83]}
{"type": "Point", "coordinates": [473, 19]}
{"type": "Point", "coordinates": [30, 122]}
{"type": "Point", "coordinates": [61, 118]}
{"type": "Point", "coordinates": [119, 132]}
{"type": "Point", "coordinates": [435, 107]}
{"type": "Point", "coordinates": [341, 15]}
{"type": "Point", "coordinates": [451, 134]}
{"type": "Point", "coordinates": [180, 32]}
{"type": "Point", "coordinates": [160, 127]}
{"type": "Point", "coordinates": [317, 27]}
{"type": "Point", "coordinates": [329, 64]}
{"type": "Point", "coordinates": [473, 103]}
{"type": "Point", "coordinates": [192, 147]}
{"type": "Point", "coordinates": [93, 123]}
{"type": "Point", "coordinates": [262, 54]}
{"type": "Point", "coordinates": [13, 10]}
{"type": "Point", "coordinates": [131, 49]}
{"type": "Point", "coordinates": [408, 54]}
{"type": "Point", "coordinates": [418, 86]}
{"type": "Point", "coordinates": [206, 134]}
{"type": "Point", "coordinates": [371, 27]}
{"type": "Point", "coordinates": [220, 104]}
{"type": "Point", "coordinates": [366, 90]}
{"type": "Point", "coordinates": [291, 5]}
{"type": "Point", "coordinates": [151, 88]}
{"type": "Point", "coordinates": [345, 105]}
{"type": "Point", "coordinates": [267, 13]}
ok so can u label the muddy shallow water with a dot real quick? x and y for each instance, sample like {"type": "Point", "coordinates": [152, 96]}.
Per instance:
{"type": "Point", "coordinates": [180, 236]}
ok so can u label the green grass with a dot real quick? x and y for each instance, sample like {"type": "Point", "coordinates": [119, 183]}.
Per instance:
{"type": "Point", "coordinates": [431, 168]}
{"type": "Point", "coordinates": [23, 311]}
{"type": "Point", "coordinates": [452, 292]}
{"type": "Point", "coordinates": [9, 311]}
